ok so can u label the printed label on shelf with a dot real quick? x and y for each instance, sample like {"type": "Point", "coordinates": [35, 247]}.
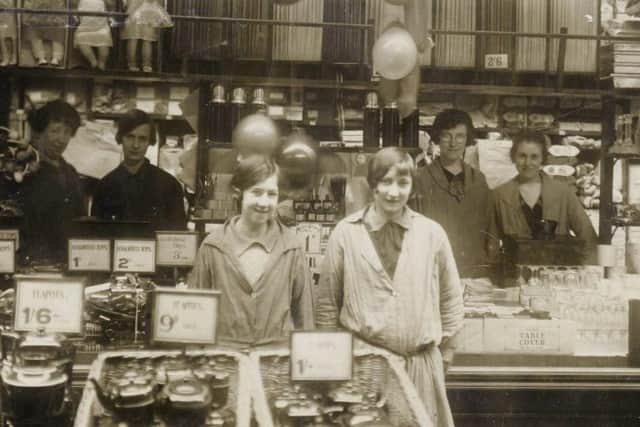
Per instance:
{"type": "Point", "coordinates": [496, 61]}
{"type": "Point", "coordinates": [134, 256]}
{"type": "Point", "coordinates": [7, 256]}
{"type": "Point", "coordinates": [321, 356]}
{"type": "Point", "coordinates": [184, 316]}
{"type": "Point", "coordinates": [57, 305]}
{"type": "Point", "coordinates": [176, 249]}
{"type": "Point", "coordinates": [89, 255]}
{"type": "Point", "coordinates": [11, 234]}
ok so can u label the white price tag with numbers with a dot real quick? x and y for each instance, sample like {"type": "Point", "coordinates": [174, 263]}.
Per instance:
{"type": "Point", "coordinates": [176, 249]}
{"type": "Point", "coordinates": [184, 316]}
{"type": "Point", "coordinates": [496, 61]}
{"type": "Point", "coordinates": [57, 305]}
{"type": "Point", "coordinates": [89, 255]}
{"type": "Point", "coordinates": [134, 256]}
{"type": "Point", "coordinates": [7, 256]}
{"type": "Point", "coordinates": [321, 356]}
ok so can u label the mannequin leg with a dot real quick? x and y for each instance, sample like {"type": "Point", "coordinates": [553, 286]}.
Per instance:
{"type": "Point", "coordinates": [147, 55]}
{"type": "Point", "coordinates": [4, 52]}
{"type": "Point", "coordinates": [89, 54]}
{"type": "Point", "coordinates": [37, 48]}
{"type": "Point", "coordinates": [132, 54]}
{"type": "Point", "coordinates": [408, 95]}
{"type": "Point", "coordinates": [103, 57]}
{"type": "Point", "coordinates": [57, 52]}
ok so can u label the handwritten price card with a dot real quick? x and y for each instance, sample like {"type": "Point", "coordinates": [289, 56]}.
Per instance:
{"type": "Point", "coordinates": [321, 356]}
{"type": "Point", "coordinates": [184, 316]}
{"type": "Point", "coordinates": [7, 256]}
{"type": "Point", "coordinates": [12, 234]}
{"type": "Point", "coordinates": [176, 249]}
{"type": "Point", "coordinates": [89, 255]}
{"type": "Point", "coordinates": [53, 304]}
{"type": "Point", "coordinates": [134, 256]}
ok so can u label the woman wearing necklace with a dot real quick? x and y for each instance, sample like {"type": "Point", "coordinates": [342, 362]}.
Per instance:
{"type": "Point", "coordinates": [534, 206]}
{"type": "Point", "coordinates": [390, 278]}
{"type": "Point", "coordinates": [256, 263]}
{"type": "Point", "coordinates": [456, 195]}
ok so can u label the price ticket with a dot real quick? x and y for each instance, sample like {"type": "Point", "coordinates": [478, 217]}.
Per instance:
{"type": "Point", "coordinates": [53, 304]}
{"type": "Point", "coordinates": [321, 356]}
{"type": "Point", "coordinates": [89, 255]}
{"type": "Point", "coordinates": [134, 256]}
{"type": "Point", "coordinates": [184, 316]}
{"type": "Point", "coordinates": [176, 249]}
{"type": "Point", "coordinates": [7, 256]}
{"type": "Point", "coordinates": [11, 234]}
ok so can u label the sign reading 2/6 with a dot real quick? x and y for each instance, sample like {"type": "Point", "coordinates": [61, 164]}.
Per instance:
{"type": "Point", "coordinates": [53, 304]}
{"type": "Point", "coordinates": [185, 316]}
{"type": "Point", "coordinates": [321, 356]}
{"type": "Point", "coordinates": [134, 256]}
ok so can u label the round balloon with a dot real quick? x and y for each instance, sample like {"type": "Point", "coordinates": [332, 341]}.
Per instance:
{"type": "Point", "coordinates": [298, 160]}
{"type": "Point", "coordinates": [256, 134]}
{"type": "Point", "coordinates": [395, 53]}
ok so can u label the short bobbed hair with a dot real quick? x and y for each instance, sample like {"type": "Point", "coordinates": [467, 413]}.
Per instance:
{"type": "Point", "coordinates": [530, 137]}
{"type": "Point", "coordinates": [57, 111]}
{"type": "Point", "coordinates": [448, 119]}
{"type": "Point", "coordinates": [131, 120]}
{"type": "Point", "coordinates": [252, 170]}
{"type": "Point", "coordinates": [382, 162]}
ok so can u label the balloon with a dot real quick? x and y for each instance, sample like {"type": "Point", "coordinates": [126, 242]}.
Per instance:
{"type": "Point", "coordinates": [395, 53]}
{"type": "Point", "coordinates": [298, 160]}
{"type": "Point", "coordinates": [256, 134]}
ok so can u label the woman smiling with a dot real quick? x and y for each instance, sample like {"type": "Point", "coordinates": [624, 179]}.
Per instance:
{"type": "Point", "coordinates": [256, 263]}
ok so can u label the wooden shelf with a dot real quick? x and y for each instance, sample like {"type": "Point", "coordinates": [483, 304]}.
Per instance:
{"type": "Point", "coordinates": [116, 116]}
{"type": "Point", "coordinates": [623, 155]}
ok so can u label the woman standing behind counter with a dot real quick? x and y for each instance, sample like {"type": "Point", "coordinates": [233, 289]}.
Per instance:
{"type": "Point", "coordinates": [456, 195]}
{"type": "Point", "coordinates": [389, 276]}
{"type": "Point", "coordinates": [256, 263]}
{"type": "Point", "coordinates": [533, 205]}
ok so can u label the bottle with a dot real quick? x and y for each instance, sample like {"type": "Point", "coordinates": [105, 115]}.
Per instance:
{"type": "Point", "coordinates": [300, 210]}
{"type": "Point", "coordinates": [258, 105]}
{"type": "Point", "coordinates": [318, 207]}
{"type": "Point", "coordinates": [217, 115]}
{"type": "Point", "coordinates": [371, 134]}
{"type": "Point", "coordinates": [311, 210]}
{"type": "Point", "coordinates": [329, 210]}
{"type": "Point", "coordinates": [390, 125]}
{"type": "Point", "coordinates": [238, 108]}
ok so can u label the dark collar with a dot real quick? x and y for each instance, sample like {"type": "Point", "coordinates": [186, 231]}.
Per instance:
{"type": "Point", "coordinates": [141, 173]}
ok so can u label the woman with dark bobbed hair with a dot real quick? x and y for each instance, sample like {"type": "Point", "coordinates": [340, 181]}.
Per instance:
{"type": "Point", "coordinates": [522, 206]}
{"type": "Point", "coordinates": [52, 196]}
{"type": "Point", "coordinates": [137, 190]}
{"type": "Point", "coordinates": [389, 277]}
{"type": "Point", "coordinates": [256, 263]}
{"type": "Point", "coordinates": [455, 194]}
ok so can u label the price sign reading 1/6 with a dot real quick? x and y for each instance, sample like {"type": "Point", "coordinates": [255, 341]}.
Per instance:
{"type": "Point", "coordinates": [176, 249]}
{"type": "Point", "coordinates": [184, 316]}
{"type": "Point", "coordinates": [321, 356]}
{"type": "Point", "coordinates": [496, 61]}
{"type": "Point", "coordinates": [53, 304]}
{"type": "Point", "coordinates": [89, 255]}
{"type": "Point", "coordinates": [7, 256]}
{"type": "Point", "coordinates": [134, 256]}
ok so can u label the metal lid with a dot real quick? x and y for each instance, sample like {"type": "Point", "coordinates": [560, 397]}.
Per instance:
{"type": "Point", "coordinates": [372, 100]}
{"type": "Point", "coordinates": [239, 96]}
{"type": "Point", "coordinates": [258, 96]}
{"type": "Point", "coordinates": [217, 94]}
{"type": "Point", "coordinates": [391, 104]}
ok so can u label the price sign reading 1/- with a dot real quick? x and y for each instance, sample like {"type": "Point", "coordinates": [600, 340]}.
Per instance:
{"type": "Point", "coordinates": [176, 249]}
{"type": "Point", "coordinates": [184, 316]}
{"type": "Point", "coordinates": [496, 61]}
{"type": "Point", "coordinates": [7, 256]}
{"type": "Point", "coordinates": [321, 356]}
{"type": "Point", "coordinates": [89, 255]}
{"type": "Point", "coordinates": [57, 305]}
{"type": "Point", "coordinates": [134, 256]}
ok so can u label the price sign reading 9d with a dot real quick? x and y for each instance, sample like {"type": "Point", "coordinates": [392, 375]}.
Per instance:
{"type": "Point", "coordinates": [53, 304]}
{"type": "Point", "coordinates": [321, 356]}
{"type": "Point", "coordinates": [185, 316]}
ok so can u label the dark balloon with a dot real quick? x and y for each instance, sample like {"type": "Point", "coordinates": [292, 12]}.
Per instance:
{"type": "Point", "coordinates": [256, 134]}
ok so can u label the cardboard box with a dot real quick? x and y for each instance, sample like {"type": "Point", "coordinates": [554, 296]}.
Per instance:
{"type": "Point", "coordinates": [529, 336]}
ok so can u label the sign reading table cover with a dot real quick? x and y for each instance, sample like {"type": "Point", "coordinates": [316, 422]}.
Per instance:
{"type": "Point", "coordinates": [134, 256]}
{"type": "Point", "coordinates": [184, 316]}
{"type": "Point", "coordinates": [321, 356]}
{"type": "Point", "coordinates": [55, 304]}
{"type": "Point", "coordinates": [176, 249]}
{"type": "Point", "coordinates": [89, 255]}
{"type": "Point", "coordinates": [7, 256]}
